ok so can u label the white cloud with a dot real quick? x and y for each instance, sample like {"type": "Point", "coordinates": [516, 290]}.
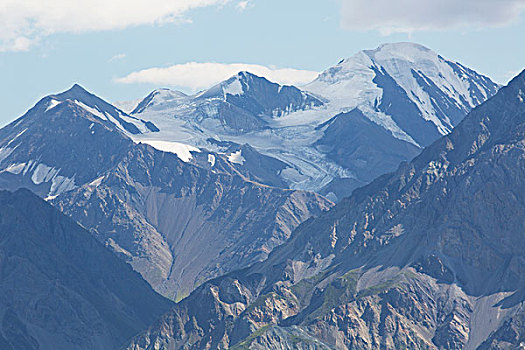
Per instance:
{"type": "Point", "coordinates": [388, 16]}
{"type": "Point", "coordinates": [195, 76]}
{"type": "Point", "coordinates": [22, 22]}
{"type": "Point", "coordinates": [117, 57]}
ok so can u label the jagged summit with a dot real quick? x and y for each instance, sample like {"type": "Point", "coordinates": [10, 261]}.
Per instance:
{"type": "Point", "coordinates": [245, 82]}
{"type": "Point", "coordinates": [75, 91]}
{"type": "Point", "coordinates": [79, 97]}
{"type": "Point", "coordinates": [63, 141]}
{"type": "Point", "coordinates": [242, 103]}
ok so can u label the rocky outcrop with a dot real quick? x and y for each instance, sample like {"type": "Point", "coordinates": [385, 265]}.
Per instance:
{"type": "Point", "coordinates": [370, 152]}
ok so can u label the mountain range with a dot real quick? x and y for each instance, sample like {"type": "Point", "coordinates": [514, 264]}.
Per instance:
{"type": "Point", "coordinates": [430, 256]}
{"type": "Point", "coordinates": [356, 121]}
{"type": "Point", "coordinates": [360, 211]}
{"type": "Point", "coordinates": [151, 208]}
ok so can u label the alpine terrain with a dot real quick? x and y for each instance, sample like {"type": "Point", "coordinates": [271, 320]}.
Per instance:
{"type": "Point", "coordinates": [430, 256]}
{"type": "Point", "coordinates": [356, 121]}
{"type": "Point", "coordinates": [176, 223]}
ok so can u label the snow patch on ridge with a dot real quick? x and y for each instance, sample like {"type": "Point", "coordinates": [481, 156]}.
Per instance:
{"type": "Point", "coordinates": [233, 88]}
{"type": "Point", "coordinates": [52, 104]}
{"type": "Point", "coordinates": [16, 168]}
{"type": "Point", "coordinates": [211, 160]}
{"type": "Point", "coordinates": [41, 173]}
{"type": "Point", "coordinates": [5, 152]}
{"type": "Point", "coordinates": [236, 158]}
{"type": "Point", "coordinates": [182, 150]}
{"type": "Point", "coordinates": [59, 184]}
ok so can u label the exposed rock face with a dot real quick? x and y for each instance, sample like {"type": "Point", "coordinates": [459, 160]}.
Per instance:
{"type": "Point", "coordinates": [178, 224]}
{"type": "Point", "coordinates": [59, 287]}
{"type": "Point", "coordinates": [429, 257]}
{"type": "Point", "coordinates": [371, 151]}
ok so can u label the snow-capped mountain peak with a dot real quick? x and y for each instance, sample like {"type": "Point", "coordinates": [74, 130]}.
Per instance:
{"type": "Point", "coordinates": [442, 91]}
{"type": "Point", "coordinates": [407, 51]}
{"type": "Point", "coordinates": [98, 108]}
{"type": "Point", "coordinates": [236, 84]}
{"type": "Point", "coordinates": [76, 92]}
{"type": "Point", "coordinates": [244, 102]}
{"type": "Point", "coordinates": [160, 98]}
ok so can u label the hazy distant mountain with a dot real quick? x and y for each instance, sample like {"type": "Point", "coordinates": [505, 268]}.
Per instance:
{"type": "Point", "coordinates": [60, 288]}
{"type": "Point", "coordinates": [431, 256]}
{"type": "Point", "coordinates": [176, 223]}
{"type": "Point", "coordinates": [405, 97]}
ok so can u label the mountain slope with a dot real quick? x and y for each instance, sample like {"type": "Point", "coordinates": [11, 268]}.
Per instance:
{"type": "Point", "coordinates": [423, 94]}
{"type": "Point", "coordinates": [59, 287]}
{"type": "Point", "coordinates": [428, 257]}
{"type": "Point", "coordinates": [150, 207]}
{"type": "Point", "coordinates": [409, 94]}
{"type": "Point", "coordinates": [180, 225]}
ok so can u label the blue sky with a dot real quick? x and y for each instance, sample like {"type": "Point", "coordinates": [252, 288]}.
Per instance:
{"type": "Point", "coordinates": [310, 36]}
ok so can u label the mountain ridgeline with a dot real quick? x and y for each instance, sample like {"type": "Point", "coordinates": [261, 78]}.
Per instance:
{"type": "Point", "coordinates": [391, 102]}
{"type": "Point", "coordinates": [428, 257]}
{"type": "Point", "coordinates": [176, 223]}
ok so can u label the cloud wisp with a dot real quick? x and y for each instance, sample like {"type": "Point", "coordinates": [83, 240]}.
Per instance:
{"type": "Point", "coordinates": [243, 5]}
{"type": "Point", "coordinates": [195, 76]}
{"type": "Point", "coordinates": [23, 22]}
{"type": "Point", "coordinates": [408, 16]}
{"type": "Point", "coordinates": [117, 57]}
